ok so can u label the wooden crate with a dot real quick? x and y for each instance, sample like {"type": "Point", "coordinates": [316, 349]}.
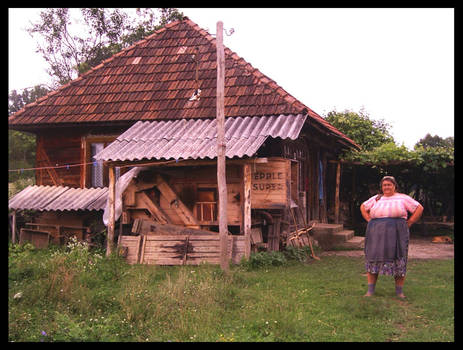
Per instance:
{"type": "Point", "coordinates": [40, 239]}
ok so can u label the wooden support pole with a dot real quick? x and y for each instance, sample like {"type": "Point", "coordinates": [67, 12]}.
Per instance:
{"type": "Point", "coordinates": [336, 196]}
{"type": "Point", "coordinates": [247, 209]}
{"type": "Point", "coordinates": [112, 211]}
{"type": "Point", "coordinates": [13, 227]}
{"type": "Point", "coordinates": [352, 212]}
{"type": "Point", "coordinates": [221, 148]}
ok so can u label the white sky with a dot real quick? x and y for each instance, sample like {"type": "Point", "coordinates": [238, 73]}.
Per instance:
{"type": "Point", "coordinates": [396, 64]}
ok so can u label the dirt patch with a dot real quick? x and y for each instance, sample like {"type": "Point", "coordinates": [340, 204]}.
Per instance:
{"type": "Point", "coordinates": [419, 248]}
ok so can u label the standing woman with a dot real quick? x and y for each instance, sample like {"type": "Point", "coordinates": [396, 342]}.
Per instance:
{"type": "Point", "coordinates": [387, 234]}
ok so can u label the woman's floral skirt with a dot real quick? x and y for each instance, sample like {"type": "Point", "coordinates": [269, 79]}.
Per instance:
{"type": "Point", "coordinates": [396, 268]}
{"type": "Point", "coordinates": [386, 246]}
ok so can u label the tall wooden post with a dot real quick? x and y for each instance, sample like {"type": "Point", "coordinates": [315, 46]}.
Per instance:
{"type": "Point", "coordinates": [112, 210]}
{"type": "Point", "coordinates": [13, 227]}
{"type": "Point", "coordinates": [247, 209]}
{"type": "Point", "coordinates": [221, 148]}
{"type": "Point", "coordinates": [336, 196]}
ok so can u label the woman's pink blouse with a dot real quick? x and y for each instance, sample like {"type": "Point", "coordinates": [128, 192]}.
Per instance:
{"type": "Point", "coordinates": [395, 206]}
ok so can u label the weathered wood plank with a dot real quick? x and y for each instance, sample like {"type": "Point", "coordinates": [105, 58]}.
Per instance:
{"type": "Point", "coordinates": [143, 200]}
{"type": "Point", "coordinates": [141, 226]}
{"type": "Point", "coordinates": [180, 249]}
{"type": "Point", "coordinates": [112, 211]}
{"type": "Point", "coordinates": [175, 202]}
{"type": "Point", "coordinates": [247, 200]}
{"type": "Point", "coordinates": [336, 195]}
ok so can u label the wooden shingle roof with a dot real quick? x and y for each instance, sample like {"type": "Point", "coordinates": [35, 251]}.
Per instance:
{"type": "Point", "coordinates": [156, 78]}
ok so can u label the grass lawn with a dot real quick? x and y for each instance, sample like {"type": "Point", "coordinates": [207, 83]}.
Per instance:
{"type": "Point", "coordinates": [77, 295]}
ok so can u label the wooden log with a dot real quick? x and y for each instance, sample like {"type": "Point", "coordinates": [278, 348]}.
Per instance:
{"type": "Point", "coordinates": [13, 227]}
{"type": "Point", "coordinates": [112, 211]}
{"type": "Point", "coordinates": [247, 209]}
{"type": "Point", "coordinates": [221, 148]}
{"type": "Point", "coordinates": [276, 233]}
{"type": "Point", "coordinates": [336, 196]}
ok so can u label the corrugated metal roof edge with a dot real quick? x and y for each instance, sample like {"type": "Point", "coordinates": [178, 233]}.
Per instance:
{"type": "Point", "coordinates": [43, 207]}
{"type": "Point", "coordinates": [108, 153]}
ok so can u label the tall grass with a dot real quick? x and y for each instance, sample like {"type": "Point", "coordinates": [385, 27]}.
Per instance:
{"type": "Point", "coordinates": [75, 294]}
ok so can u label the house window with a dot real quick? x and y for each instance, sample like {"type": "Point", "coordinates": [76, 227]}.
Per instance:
{"type": "Point", "coordinates": [96, 172]}
{"type": "Point", "coordinates": [97, 166]}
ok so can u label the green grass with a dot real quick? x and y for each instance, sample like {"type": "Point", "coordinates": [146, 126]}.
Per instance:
{"type": "Point", "coordinates": [66, 298]}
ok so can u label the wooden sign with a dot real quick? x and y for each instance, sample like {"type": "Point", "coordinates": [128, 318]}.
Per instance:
{"type": "Point", "coordinates": [270, 184]}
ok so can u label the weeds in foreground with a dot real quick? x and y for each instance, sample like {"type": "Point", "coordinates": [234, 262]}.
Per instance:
{"type": "Point", "coordinates": [74, 293]}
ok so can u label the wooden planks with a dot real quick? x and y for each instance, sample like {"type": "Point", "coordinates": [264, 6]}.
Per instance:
{"type": "Point", "coordinates": [133, 245]}
{"type": "Point", "coordinates": [176, 203]}
{"type": "Point", "coordinates": [145, 227]}
{"type": "Point", "coordinates": [247, 208]}
{"type": "Point", "coordinates": [270, 184]}
{"type": "Point", "coordinates": [180, 249]}
{"type": "Point", "coordinates": [39, 239]}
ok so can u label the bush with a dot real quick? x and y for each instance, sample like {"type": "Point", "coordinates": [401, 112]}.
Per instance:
{"type": "Point", "coordinates": [265, 259]}
{"type": "Point", "coordinates": [298, 254]}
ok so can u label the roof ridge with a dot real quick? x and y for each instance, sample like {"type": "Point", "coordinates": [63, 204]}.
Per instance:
{"type": "Point", "coordinates": [271, 83]}
{"type": "Point", "coordinates": [254, 71]}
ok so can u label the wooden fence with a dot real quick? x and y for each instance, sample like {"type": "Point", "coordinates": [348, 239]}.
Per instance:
{"type": "Point", "coordinates": [179, 249]}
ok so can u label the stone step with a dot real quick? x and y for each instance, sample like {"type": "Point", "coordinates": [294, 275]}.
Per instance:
{"type": "Point", "coordinates": [327, 228]}
{"type": "Point", "coordinates": [343, 236]}
{"type": "Point", "coordinates": [356, 242]}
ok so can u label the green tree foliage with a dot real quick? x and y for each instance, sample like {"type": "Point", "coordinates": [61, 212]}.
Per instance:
{"type": "Point", "coordinates": [435, 141]}
{"type": "Point", "coordinates": [366, 132]}
{"type": "Point", "coordinates": [426, 172]}
{"type": "Point", "coordinates": [16, 101]}
{"type": "Point", "coordinates": [21, 145]}
{"type": "Point", "coordinates": [74, 40]}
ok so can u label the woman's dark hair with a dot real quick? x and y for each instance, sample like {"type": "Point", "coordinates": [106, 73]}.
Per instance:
{"type": "Point", "coordinates": [386, 178]}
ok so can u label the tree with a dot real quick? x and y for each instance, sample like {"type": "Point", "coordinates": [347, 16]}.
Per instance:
{"type": "Point", "coordinates": [21, 145]}
{"type": "Point", "coordinates": [16, 101]}
{"type": "Point", "coordinates": [75, 40]}
{"type": "Point", "coordinates": [435, 141]}
{"type": "Point", "coordinates": [366, 132]}
{"type": "Point", "coordinates": [427, 172]}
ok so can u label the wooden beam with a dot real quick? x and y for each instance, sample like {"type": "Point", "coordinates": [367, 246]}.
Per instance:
{"type": "Point", "coordinates": [83, 157]}
{"type": "Point", "coordinates": [221, 149]}
{"type": "Point", "coordinates": [180, 208]}
{"type": "Point", "coordinates": [247, 209]}
{"type": "Point", "coordinates": [336, 196]}
{"type": "Point", "coordinates": [145, 227]}
{"type": "Point", "coordinates": [13, 227]}
{"type": "Point", "coordinates": [112, 211]}
{"type": "Point", "coordinates": [182, 162]}
{"type": "Point", "coordinates": [42, 154]}
{"type": "Point", "coordinates": [156, 212]}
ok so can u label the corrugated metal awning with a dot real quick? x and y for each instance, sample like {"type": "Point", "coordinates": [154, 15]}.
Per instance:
{"type": "Point", "coordinates": [59, 198]}
{"type": "Point", "coordinates": [197, 138]}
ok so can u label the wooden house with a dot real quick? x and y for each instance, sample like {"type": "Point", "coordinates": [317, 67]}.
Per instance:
{"type": "Point", "coordinates": [147, 115]}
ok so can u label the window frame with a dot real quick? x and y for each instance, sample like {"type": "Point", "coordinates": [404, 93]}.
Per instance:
{"type": "Point", "coordinates": [86, 174]}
